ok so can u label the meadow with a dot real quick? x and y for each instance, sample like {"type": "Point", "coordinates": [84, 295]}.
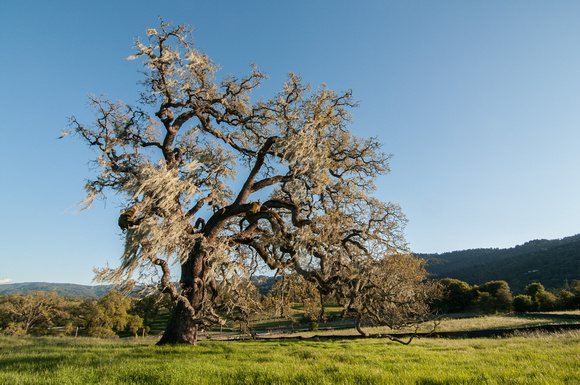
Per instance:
{"type": "Point", "coordinates": [537, 358]}
{"type": "Point", "coordinates": [445, 324]}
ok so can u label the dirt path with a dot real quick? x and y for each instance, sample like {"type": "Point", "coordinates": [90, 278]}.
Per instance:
{"type": "Point", "coordinates": [486, 333]}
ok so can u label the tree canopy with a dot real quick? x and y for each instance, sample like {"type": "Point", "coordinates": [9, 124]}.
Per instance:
{"type": "Point", "coordinates": [224, 186]}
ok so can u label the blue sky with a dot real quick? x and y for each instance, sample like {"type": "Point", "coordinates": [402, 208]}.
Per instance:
{"type": "Point", "coordinates": [478, 101]}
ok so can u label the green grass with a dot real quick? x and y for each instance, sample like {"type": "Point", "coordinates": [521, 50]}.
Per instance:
{"type": "Point", "coordinates": [454, 324]}
{"type": "Point", "coordinates": [532, 359]}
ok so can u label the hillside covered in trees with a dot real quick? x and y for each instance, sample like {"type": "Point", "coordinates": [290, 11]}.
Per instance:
{"type": "Point", "coordinates": [70, 290]}
{"type": "Point", "coordinates": [65, 290]}
{"type": "Point", "coordinates": [553, 263]}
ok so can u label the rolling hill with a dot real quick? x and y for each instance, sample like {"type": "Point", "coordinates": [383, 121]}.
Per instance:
{"type": "Point", "coordinates": [69, 290]}
{"type": "Point", "coordinates": [553, 263]}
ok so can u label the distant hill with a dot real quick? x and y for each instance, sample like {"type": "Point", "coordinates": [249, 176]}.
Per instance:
{"type": "Point", "coordinates": [264, 283]}
{"type": "Point", "coordinates": [550, 262]}
{"type": "Point", "coordinates": [62, 289]}
{"type": "Point", "coordinates": [69, 290]}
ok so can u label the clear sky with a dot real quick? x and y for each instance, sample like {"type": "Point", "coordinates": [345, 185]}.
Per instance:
{"type": "Point", "coordinates": [478, 101]}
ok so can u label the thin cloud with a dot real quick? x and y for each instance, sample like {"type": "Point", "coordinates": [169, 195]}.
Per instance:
{"type": "Point", "coordinates": [5, 280]}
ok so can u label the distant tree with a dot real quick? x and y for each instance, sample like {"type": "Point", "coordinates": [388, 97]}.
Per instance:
{"type": "Point", "coordinates": [31, 312]}
{"type": "Point", "coordinates": [107, 316]}
{"type": "Point", "coordinates": [533, 290]}
{"type": "Point", "coordinates": [538, 299]}
{"type": "Point", "coordinates": [114, 308]}
{"type": "Point", "coordinates": [486, 302]}
{"type": "Point", "coordinates": [523, 303]}
{"type": "Point", "coordinates": [457, 296]}
{"type": "Point", "coordinates": [304, 202]}
{"type": "Point", "coordinates": [134, 324]}
{"type": "Point", "coordinates": [280, 298]}
{"type": "Point", "coordinates": [148, 306]}
{"type": "Point", "coordinates": [69, 316]}
{"type": "Point", "coordinates": [295, 289]}
{"type": "Point", "coordinates": [85, 314]}
{"type": "Point", "coordinates": [547, 301]}
{"type": "Point", "coordinates": [392, 291]}
{"type": "Point", "coordinates": [4, 315]}
{"type": "Point", "coordinates": [495, 296]}
{"type": "Point", "coordinates": [575, 290]}
{"type": "Point", "coordinates": [565, 300]}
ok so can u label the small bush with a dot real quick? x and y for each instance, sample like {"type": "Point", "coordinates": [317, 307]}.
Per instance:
{"type": "Point", "coordinates": [14, 329]}
{"type": "Point", "coordinates": [523, 303]}
{"type": "Point", "coordinates": [313, 326]}
{"type": "Point", "coordinates": [546, 300]}
{"type": "Point", "coordinates": [102, 332]}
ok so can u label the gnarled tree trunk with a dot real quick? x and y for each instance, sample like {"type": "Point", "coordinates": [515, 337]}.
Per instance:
{"type": "Point", "coordinates": [182, 325]}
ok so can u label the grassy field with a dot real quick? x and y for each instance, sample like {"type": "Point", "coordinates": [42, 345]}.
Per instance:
{"type": "Point", "coordinates": [445, 324]}
{"type": "Point", "coordinates": [531, 359]}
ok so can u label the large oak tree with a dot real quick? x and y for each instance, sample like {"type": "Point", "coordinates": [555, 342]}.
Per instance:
{"type": "Point", "coordinates": [222, 186]}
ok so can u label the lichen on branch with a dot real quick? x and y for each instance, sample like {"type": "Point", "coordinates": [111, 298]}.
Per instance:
{"type": "Point", "coordinates": [303, 201]}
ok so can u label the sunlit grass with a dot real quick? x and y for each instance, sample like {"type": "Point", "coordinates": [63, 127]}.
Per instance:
{"type": "Point", "coordinates": [572, 312]}
{"type": "Point", "coordinates": [455, 324]}
{"type": "Point", "coordinates": [498, 322]}
{"type": "Point", "coordinates": [530, 359]}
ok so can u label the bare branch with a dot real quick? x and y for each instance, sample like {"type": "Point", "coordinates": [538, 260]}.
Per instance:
{"type": "Point", "coordinates": [176, 169]}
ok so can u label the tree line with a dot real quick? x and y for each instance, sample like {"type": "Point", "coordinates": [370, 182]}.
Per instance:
{"type": "Point", "coordinates": [39, 313]}
{"type": "Point", "coordinates": [496, 296]}
{"type": "Point", "coordinates": [115, 314]}
{"type": "Point", "coordinates": [550, 262]}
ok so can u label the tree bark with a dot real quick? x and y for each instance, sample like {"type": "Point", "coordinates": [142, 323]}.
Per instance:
{"type": "Point", "coordinates": [182, 326]}
{"type": "Point", "coordinates": [359, 327]}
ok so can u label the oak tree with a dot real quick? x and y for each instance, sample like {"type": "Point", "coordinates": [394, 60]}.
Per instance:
{"type": "Point", "coordinates": [31, 312]}
{"type": "Point", "coordinates": [222, 185]}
